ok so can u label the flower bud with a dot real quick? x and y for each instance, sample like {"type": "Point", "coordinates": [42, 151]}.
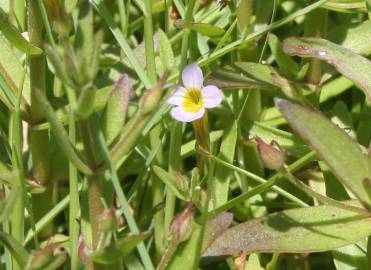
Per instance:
{"type": "Point", "coordinates": [272, 157]}
{"type": "Point", "coordinates": [181, 227]}
{"type": "Point", "coordinates": [152, 97]}
{"type": "Point", "coordinates": [107, 220]}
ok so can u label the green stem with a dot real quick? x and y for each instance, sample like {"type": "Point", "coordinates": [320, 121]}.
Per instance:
{"type": "Point", "coordinates": [17, 216]}
{"type": "Point", "coordinates": [315, 26]}
{"type": "Point", "coordinates": [168, 11]}
{"type": "Point", "coordinates": [123, 18]}
{"type": "Point", "coordinates": [204, 217]}
{"type": "Point", "coordinates": [185, 38]}
{"type": "Point", "coordinates": [125, 204]}
{"type": "Point", "coordinates": [74, 202]}
{"type": "Point", "coordinates": [148, 37]}
{"type": "Point", "coordinates": [39, 139]}
{"type": "Point", "coordinates": [260, 180]}
{"type": "Point", "coordinates": [174, 166]}
{"type": "Point", "coordinates": [157, 191]}
{"type": "Point", "coordinates": [368, 266]}
{"type": "Point", "coordinates": [300, 163]}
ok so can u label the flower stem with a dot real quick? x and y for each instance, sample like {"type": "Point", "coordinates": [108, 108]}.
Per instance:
{"type": "Point", "coordinates": [148, 37]}
{"type": "Point", "coordinates": [174, 166]}
{"type": "Point", "coordinates": [315, 26]}
{"type": "Point", "coordinates": [74, 202]}
{"type": "Point", "coordinates": [201, 127]}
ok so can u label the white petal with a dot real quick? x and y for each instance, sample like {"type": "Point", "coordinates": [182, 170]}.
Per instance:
{"type": "Point", "coordinates": [177, 97]}
{"type": "Point", "coordinates": [180, 115]}
{"type": "Point", "coordinates": [212, 96]}
{"type": "Point", "coordinates": [192, 77]}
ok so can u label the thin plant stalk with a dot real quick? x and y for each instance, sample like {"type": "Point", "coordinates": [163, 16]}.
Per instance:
{"type": "Point", "coordinates": [174, 166]}
{"type": "Point", "coordinates": [315, 26]}
{"type": "Point", "coordinates": [149, 45]}
{"type": "Point", "coordinates": [74, 202]}
{"type": "Point", "coordinates": [39, 139]}
{"type": "Point", "coordinates": [17, 217]}
{"type": "Point", "coordinates": [143, 253]}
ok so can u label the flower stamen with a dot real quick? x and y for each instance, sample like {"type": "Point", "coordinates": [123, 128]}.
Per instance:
{"type": "Point", "coordinates": [193, 101]}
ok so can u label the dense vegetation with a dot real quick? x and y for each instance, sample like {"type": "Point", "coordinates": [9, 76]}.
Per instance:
{"type": "Point", "coordinates": [185, 134]}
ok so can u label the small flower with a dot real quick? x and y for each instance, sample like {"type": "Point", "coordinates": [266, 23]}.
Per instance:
{"type": "Point", "coordinates": [192, 99]}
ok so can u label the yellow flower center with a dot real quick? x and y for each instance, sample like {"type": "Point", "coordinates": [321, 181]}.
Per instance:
{"type": "Point", "coordinates": [192, 101]}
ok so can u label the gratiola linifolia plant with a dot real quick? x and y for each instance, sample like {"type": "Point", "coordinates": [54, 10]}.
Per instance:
{"type": "Point", "coordinates": [185, 134]}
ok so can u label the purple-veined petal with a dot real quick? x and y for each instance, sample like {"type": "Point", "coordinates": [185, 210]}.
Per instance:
{"type": "Point", "coordinates": [192, 77]}
{"type": "Point", "coordinates": [177, 97]}
{"type": "Point", "coordinates": [180, 115]}
{"type": "Point", "coordinates": [212, 96]}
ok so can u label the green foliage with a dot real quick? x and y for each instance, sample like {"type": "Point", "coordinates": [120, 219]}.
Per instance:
{"type": "Point", "coordinates": [86, 130]}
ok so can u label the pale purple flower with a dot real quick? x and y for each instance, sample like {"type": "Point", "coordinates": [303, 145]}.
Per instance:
{"type": "Point", "coordinates": [191, 100]}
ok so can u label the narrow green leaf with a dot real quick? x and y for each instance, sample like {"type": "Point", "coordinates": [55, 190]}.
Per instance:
{"type": "Point", "coordinates": [11, 71]}
{"type": "Point", "coordinates": [85, 104]}
{"type": "Point", "coordinates": [114, 115]}
{"type": "Point", "coordinates": [7, 206]}
{"type": "Point", "coordinates": [354, 37]}
{"type": "Point", "coordinates": [15, 248]}
{"type": "Point", "coordinates": [15, 37]}
{"type": "Point", "coordinates": [245, 75]}
{"type": "Point", "coordinates": [351, 257]}
{"type": "Point", "coordinates": [343, 155]}
{"type": "Point", "coordinates": [202, 28]}
{"type": "Point", "coordinates": [102, 10]}
{"type": "Point", "coordinates": [184, 256]}
{"type": "Point", "coordinates": [166, 52]}
{"type": "Point", "coordinates": [60, 133]}
{"type": "Point", "coordinates": [115, 251]}
{"type": "Point", "coordinates": [220, 185]}
{"type": "Point", "coordinates": [346, 5]}
{"type": "Point", "coordinates": [353, 66]}
{"type": "Point", "coordinates": [292, 144]}
{"type": "Point", "coordinates": [170, 181]}
{"type": "Point", "coordinates": [311, 229]}
{"type": "Point", "coordinates": [189, 147]}
{"type": "Point", "coordinates": [288, 66]}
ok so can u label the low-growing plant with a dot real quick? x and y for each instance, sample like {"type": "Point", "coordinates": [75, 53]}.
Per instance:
{"type": "Point", "coordinates": [185, 134]}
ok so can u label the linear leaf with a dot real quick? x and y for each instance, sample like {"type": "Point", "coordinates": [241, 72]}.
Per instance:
{"type": "Point", "coordinates": [222, 178]}
{"type": "Point", "coordinates": [343, 155]}
{"type": "Point", "coordinates": [311, 229]}
{"type": "Point", "coordinates": [11, 71]}
{"type": "Point", "coordinates": [170, 180]}
{"type": "Point", "coordinates": [15, 37]}
{"type": "Point", "coordinates": [60, 133]}
{"type": "Point", "coordinates": [353, 66]}
{"type": "Point", "coordinates": [15, 248]}
{"type": "Point", "coordinates": [115, 251]}
{"type": "Point", "coordinates": [245, 75]}
{"type": "Point", "coordinates": [7, 206]}
{"type": "Point", "coordinates": [205, 29]}
{"type": "Point", "coordinates": [184, 257]}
